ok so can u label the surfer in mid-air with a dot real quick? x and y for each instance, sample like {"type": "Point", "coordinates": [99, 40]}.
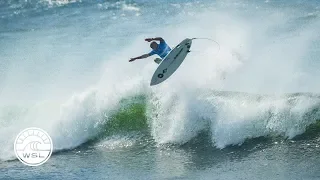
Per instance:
{"type": "Point", "coordinates": [161, 49]}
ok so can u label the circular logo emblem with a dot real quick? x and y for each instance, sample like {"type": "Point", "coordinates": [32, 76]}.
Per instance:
{"type": "Point", "coordinates": [160, 75]}
{"type": "Point", "coordinates": [33, 146]}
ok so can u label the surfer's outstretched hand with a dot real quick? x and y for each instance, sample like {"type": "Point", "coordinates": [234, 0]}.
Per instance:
{"type": "Point", "coordinates": [132, 59]}
{"type": "Point", "coordinates": [148, 39]}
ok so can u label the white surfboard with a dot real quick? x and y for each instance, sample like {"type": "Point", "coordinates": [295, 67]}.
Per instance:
{"type": "Point", "coordinates": [171, 62]}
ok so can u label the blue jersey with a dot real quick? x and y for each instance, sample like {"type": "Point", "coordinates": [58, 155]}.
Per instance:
{"type": "Point", "coordinates": [162, 50]}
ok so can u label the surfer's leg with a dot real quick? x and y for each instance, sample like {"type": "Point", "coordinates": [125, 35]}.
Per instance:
{"type": "Point", "coordinates": [158, 60]}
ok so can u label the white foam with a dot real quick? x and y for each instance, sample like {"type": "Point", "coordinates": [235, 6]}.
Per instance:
{"type": "Point", "coordinates": [127, 7]}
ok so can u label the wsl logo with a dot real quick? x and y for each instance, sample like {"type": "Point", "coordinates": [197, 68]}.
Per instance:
{"type": "Point", "coordinates": [33, 146]}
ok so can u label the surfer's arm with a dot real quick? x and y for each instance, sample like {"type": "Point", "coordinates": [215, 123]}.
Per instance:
{"type": "Point", "coordinates": [139, 57]}
{"type": "Point", "coordinates": [155, 39]}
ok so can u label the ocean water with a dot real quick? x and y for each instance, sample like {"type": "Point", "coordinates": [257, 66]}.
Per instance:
{"type": "Point", "coordinates": [249, 110]}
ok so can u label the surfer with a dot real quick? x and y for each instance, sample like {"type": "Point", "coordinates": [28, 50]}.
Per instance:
{"type": "Point", "coordinates": [161, 49]}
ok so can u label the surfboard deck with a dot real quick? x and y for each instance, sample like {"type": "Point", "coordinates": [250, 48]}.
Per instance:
{"type": "Point", "coordinates": [171, 62]}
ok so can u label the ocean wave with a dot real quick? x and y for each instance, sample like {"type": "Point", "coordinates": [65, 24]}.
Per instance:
{"type": "Point", "coordinates": [182, 108]}
{"type": "Point", "coordinates": [229, 118]}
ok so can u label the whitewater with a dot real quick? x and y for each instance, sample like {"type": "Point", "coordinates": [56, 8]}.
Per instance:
{"type": "Point", "coordinates": [248, 109]}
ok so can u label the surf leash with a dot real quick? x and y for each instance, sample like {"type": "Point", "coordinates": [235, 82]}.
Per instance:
{"type": "Point", "coordinates": [208, 40]}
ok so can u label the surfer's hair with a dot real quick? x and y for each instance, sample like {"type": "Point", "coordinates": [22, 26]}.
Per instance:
{"type": "Point", "coordinates": [153, 43]}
